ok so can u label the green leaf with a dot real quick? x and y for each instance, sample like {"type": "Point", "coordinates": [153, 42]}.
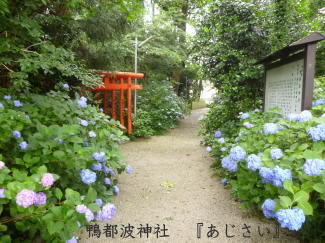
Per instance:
{"type": "Point", "coordinates": [306, 207]}
{"type": "Point", "coordinates": [309, 154]}
{"type": "Point", "coordinates": [72, 196]}
{"type": "Point", "coordinates": [301, 196]}
{"type": "Point", "coordinates": [288, 186]}
{"type": "Point", "coordinates": [54, 227]}
{"type": "Point", "coordinates": [3, 227]}
{"type": "Point", "coordinates": [58, 193]}
{"type": "Point", "coordinates": [285, 201]}
{"type": "Point", "coordinates": [319, 187]}
{"type": "Point", "coordinates": [91, 195]}
{"type": "Point", "coordinates": [59, 154]}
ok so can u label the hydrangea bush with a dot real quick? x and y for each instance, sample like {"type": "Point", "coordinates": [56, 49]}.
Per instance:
{"type": "Point", "coordinates": [59, 162]}
{"type": "Point", "coordinates": [277, 165]}
{"type": "Point", "coordinates": [159, 109]}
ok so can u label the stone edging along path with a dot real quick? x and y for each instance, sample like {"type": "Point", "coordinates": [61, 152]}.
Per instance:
{"type": "Point", "coordinates": [173, 185]}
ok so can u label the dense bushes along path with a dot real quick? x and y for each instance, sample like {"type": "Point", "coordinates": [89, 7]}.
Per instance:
{"type": "Point", "coordinates": [172, 184]}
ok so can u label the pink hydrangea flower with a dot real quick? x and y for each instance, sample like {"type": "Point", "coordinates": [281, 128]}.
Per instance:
{"type": "Point", "coordinates": [47, 179]}
{"type": "Point", "coordinates": [25, 198]}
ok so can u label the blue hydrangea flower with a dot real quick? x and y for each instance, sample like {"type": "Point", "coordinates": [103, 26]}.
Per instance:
{"type": "Point", "coordinates": [221, 140]}
{"type": "Point", "coordinates": [293, 117]}
{"type": "Point", "coordinates": [313, 167]}
{"type": "Point", "coordinates": [320, 101]}
{"type": "Point", "coordinates": [317, 133]}
{"type": "Point", "coordinates": [107, 181]}
{"type": "Point", "coordinates": [257, 110]}
{"type": "Point", "coordinates": [1, 105]}
{"type": "Point", "coordinates": [59, 140]}
{"type": "Point", "coordinates": [224, 181]}
{"type": "Point", "coordinates": [87, 176]}
{"type": "Point", "coordinates": [7, 97]}
{"type": "Point", "coordinates": [248, 125]}
{"type": "Point", "coordinates": [112, 172]}
{"type": "Point", "coordinates": [99, 156]}
{"type": "Point", "coordinates": [276, 153]}
{"type": "Point", "coordinates": [304, 116]}
{"type": "Point", "coordinates": [89, 215]}
{"type": "Point", "coordinates": [99, 202]}
{"type": "Point", "coordinates": [93, 122]}
{"type": "Point", "coordinates": [240, 134]}
{"type": "Point", "coordinates": [16, 134]}
{"type": "Point", "coordinates": [266, 174]}
{"type": "Point", "coordinates": [270, 128]}
{"type": "Point", "coordinates": [223, 149]}
{"type": "Point", "coordinates": [92, 134]}
{"type": "Point", "coordinates": [260, 154]}
{"type": "Point", "coordinates": [83, 122]}
{"type": "Point", "coordinates": [237, 154]}
{"type": "Point", "coordinates": [105, 169]}
{"type": "Point", "coordinates": [66, 86]}
{"type": "Point", "coordinates": [101, 110]}
{"type": "Point", "coordinates": [217, 134]}
{"type": "Point", "coordinates": [17, 103]}
{"type": "Point", "coordinates": [96, 167]}
{"type": "Point", "coordinates": [268, 208]}
{"type": "Point", "coordinates": [128, 169]}
{"type": "Point", "coordinates": [244, 116]}
{"type": "Point", "coordinates": [107, 213]}
{"type": "Point", "coordinates": [280, 175]}
{"type": "Point", "coordinates": [290, 218]}
{"type": "Point", "coordinates": [72, 240]}
{"type": "Point", "coordinates": [208, 149]}
{"type": "Point", "coordinates": [116, 190]}
{"type": "Point", "coordinates": [229, 164]}
{"type": "Point", "coordinates": [82, 102]}
{"type": "Point", "coordinates": [23, 145]}
{"type": "Point", "coordinates": [253, 162]}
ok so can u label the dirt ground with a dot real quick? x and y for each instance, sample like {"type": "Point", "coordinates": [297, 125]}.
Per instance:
{"type": "Point", "coordinates": [172, 185]}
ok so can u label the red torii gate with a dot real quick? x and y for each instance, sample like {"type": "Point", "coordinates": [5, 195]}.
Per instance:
{"type": "Point", "coordinates": [115, 81]}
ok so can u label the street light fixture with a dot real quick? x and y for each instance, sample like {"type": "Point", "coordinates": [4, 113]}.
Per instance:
{"type": "Point", "coordinates": [137, 46]}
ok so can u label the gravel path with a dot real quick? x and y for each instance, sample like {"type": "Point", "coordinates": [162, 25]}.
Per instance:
{"type": "Point", "coordinates": [172, 184]}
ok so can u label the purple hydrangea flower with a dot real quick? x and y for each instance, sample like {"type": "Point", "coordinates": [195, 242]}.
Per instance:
{"type": "Point", "coordinates": [253, 162]}
{"type": "Point", "coordinates": [116, 190]}
{"type": "Point", "coordinates": [101, 110]}
{"type": "Point", "coordinates": [221, 140]}
{"type": "Point", "coordinates": [317, 133]}
{"type": "Point", "coordinates": [217, 134]}
{"type": "Point", "coordinates": [83, 122]}
{"type": "Point", "coordinates": [270, 128]}
{"type": "Point", "coordinates": [290, 218]}
{"type": "Point", "coordinates": [40, 199]}
{"type": "Point", "coordinates": [72, 240]}
{"type": "Point", "coordinates": [224, 181]}
{"type": "Point", "coordinates": [2, 165]}
{"type": "Point", "coordinates": [17, 103]}
{"type": "Point", "coordinates": [107, 213]}
{"type": "Point", "coordinates": [87, 176]}
{"type": "Point", "coordinates": [276, 153]}
{"type": "Point", "coordinates": [237, 154]}
{"type": "Point", "coordinates": [313, 167]}
{"type": "Point", "coordinates": [96, 167]}
{"type": "Point", "coordinates": [244, 116]}
{"type": "Point", "coordinates": [16, 134]}
{"type": "Point", "coordinates": [7, 97]}
{"type": "Point", "coordinates": [268, 208]}
{"type": "Point", "coordinates": [81, 208]}
{"type": "Point", "coordinates": [92, 134]}
{"type": "Point", "coordinates": [82, 102]}
{"type": "Point", "coordinates": [105, 169]}
{"type": "Point", "coordinates": [128, 169]}
{"type": "Point", "coordinates": [229, 164]}
{"type": "Point", "coordinates": [25, 198]}
{"type": "Point", "coordinates": [2, 193]}
{"type": "Point", "coordinates": [107, 181]}
{"type": "Point", "coordinates": [47, 179]}
{"type": "Point", "coordinates": [99, 156]}
{"type": "Point", "coordinates": [89, 215]}
{"type": "Point", "coordinates": [99, 202]}
{"type": "Point", "coordinates": [248, 125]}
{"type": "Point", "coordinates": [112, 172]}
{"type": "Point", "coordinates": [23, 145]}
{"type": "Point", "coordinates": [208, 149]}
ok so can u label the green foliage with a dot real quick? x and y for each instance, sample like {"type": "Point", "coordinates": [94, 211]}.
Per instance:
{"type": "Point", "coordinates": [57, 144]}
{"type": "Point", "coordinates": [159, 109]}
{"type": "Point", "coordinates": [304, 191]}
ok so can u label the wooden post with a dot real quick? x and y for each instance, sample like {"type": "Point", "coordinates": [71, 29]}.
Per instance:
{"type": "Point", "coordinates": [129, 106]}
{"type": "Point", "coordinates": [106, 80]}
{"type": "Point", "coordinates": [113, 101]}
{"type": "Point", "coordinates": [308, 84]}
{"type": "Point", "coordinates": [122, 103]}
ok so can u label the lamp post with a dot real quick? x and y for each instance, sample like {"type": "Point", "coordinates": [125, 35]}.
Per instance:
{"type": "Point", "coordinates": [137, 46]}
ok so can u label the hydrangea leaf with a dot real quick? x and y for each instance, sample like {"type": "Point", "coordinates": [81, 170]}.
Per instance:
{"type": "Point", "coordinates": [288, 186]}
{"type": "Point", "coordinates": [285, 201]}
{"type": "Point", "coordinates": [301, 196]}
{"type": "Point", "coordinates": [320, 187]}
{"type": "Point", "coordinates": [306, 207]}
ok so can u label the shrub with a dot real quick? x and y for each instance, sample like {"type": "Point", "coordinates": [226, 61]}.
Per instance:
{"type": "Point", "coordinates": [159, 109]}
{"type": "Point", "coordinates": [55, 155]}
{"type": "Point", "coordinates": [276, 163]}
